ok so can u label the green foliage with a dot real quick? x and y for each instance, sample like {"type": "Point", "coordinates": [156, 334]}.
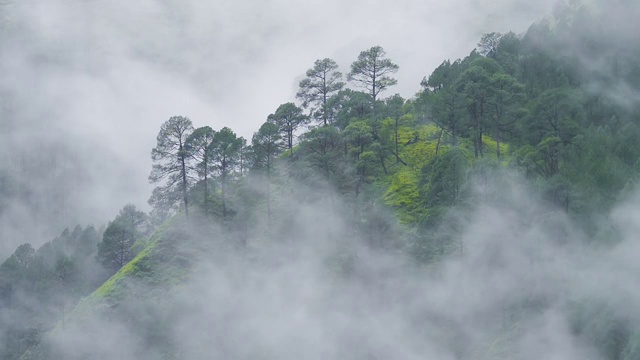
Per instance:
{"type": "Point", "coordinates": [289, 118]}
{"type": "Point", "coordinates": [358, 135]}
{"type": "Point", "coordinates": [473, 84]}
{"type": "Point", "coordinates": [315, 90]}
{"type": "Point", "coordinates": [161, 263]}
{"type": "Point", "coordinates": [116, 247]}
{"type": "Point", "coordinates": [225, 152]}
{"type": "Point", "coordinates": [199, 145]}
{"type": "Point", "coordinates": [371, 71]}
{"type": "Point", "coordinates": [52, 278]}
{"type": "Point", "coordinates": [443, 76]}
{"type": "Point", "coordinates": [556, 112]}
{"type": "Point", "coordinates": [348, 105]}
{"type": "Point", "coordinates": [445, 178]}
{"type": "Point", "coordinates": [419, 152]}
{"type": "Point", "coordinates": [170, 157]}
{"type": "Point", "coordinates": [403, 194]}
{"type": "Point", "coordinates": [543, 160]}
{"type": "Point", "coordinates": [323, 147]}
{"type": "Point", "coordinates": [266, 145]}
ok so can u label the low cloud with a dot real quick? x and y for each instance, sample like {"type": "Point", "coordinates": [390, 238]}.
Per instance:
{"type": "Point", "coordinates": [519, 289]}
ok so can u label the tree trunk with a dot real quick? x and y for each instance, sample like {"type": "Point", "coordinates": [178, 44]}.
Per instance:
{"type": "Point", "coordinates": [480, 143]}
{"type": "Point", "coordinates": [480, 127]}
{"type": "Point", "coordinates": [122, 242]}
{"type": "Point", "coordinates": [241, 160]}
{"type": "Point", "coordinates": [438, 143]}
{"type": "Point", "coordinates": [206, 185]}
{"type": "Point", "coordinates": [222, 187]}
{"type": "Point", "coordinates": [184, 182]}
{"type": "Point", "coordinates": [373, 86]}
{"type": "Point", "coordinates": [268, 192]}
{"type": "Point", "coordinates": [384, 167]}
{"type": "Point", "coordinates": [475, 146]}
{"type": "Point", "coordinates": [291, 143]}
{"type": "Point", "coordinates": [396, 129]}
{"type": "Point", "coordinates": [324, 102]}
{"type": "Point", "coordinates": [454, 138]}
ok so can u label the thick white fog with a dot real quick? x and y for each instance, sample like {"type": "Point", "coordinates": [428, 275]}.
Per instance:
{"type": "Point", "coordinates": [511, 294]}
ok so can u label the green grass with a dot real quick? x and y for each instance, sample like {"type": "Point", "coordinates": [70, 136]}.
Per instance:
{"type": "Point", "coordinates": [156, 267]}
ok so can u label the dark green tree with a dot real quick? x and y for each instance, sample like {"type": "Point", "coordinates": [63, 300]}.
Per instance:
{"type": "Point", "coordinates": [289, 118]}
{"type": "Point", "coordinates": [371, 71]}
{"type": "Point", "coordinates": [323, 149]}
{"type": "Point", "coordinates": [395, 109]}
{"type": "Point", "coordinates": [115, 249]}
{"type": "Point", "coordinates": [508, 53]}
{"type": "Point", "coordinates": [474, 85]}
{"type": "Point", "coordinates": [443, 76]}
{"type": "Point", "coordinates": [225, 155]}
{"type": "Point", "coordinates": [348, 105]}
{"type": "Point", "coordinates": [245, 156]}
{"type": "Point", "coordinates": [505, 100]}
{"type": "Point", "coordinates": [556, 113]}
{"type": "Point", "coordinates": [171, 157]}
{"type": "Point", "coordinates": [441, 103]}
{"type": "Point", "coordinates": [447, 113]}
{"type": "Point", "coordinates": [266, 145]}
{"type": "Point", "coordinates": [315, 90]}
{"type": "Point", "coordinates": [358, 135]}
{"type": "Point", "coordinates": [198, 145]}
{"type": "Point", "coordinates": [446, 177]}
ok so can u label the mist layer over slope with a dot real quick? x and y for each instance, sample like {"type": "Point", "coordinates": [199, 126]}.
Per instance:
{"type": "Point", "coordinates": [524, 286]}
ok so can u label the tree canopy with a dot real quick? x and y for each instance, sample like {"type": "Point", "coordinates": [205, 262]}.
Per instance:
{"type": "Point", "coordinates": [372, 71]}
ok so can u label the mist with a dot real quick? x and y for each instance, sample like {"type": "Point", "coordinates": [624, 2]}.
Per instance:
{"type": "Point", "coordinates": [89, 82]}
{"type": "Point", "coordinates": [515, 291]}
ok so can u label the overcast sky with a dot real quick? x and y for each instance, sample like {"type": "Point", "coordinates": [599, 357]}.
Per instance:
{"type": "Point", "coordinates": [99, 77]}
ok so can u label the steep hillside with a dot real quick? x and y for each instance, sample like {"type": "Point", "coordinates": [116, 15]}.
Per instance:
{"type": "Point", "coordinates": [135, 296]}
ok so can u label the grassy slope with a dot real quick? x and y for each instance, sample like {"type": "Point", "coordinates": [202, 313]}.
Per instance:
{"type": "Point", "coordinates": [403, 183]}
{"type": "Point", "coordinates": [161, 265]}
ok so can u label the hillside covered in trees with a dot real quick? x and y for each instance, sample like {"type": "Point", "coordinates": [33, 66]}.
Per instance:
{"type": "Point", "coordinates": [489, 216]}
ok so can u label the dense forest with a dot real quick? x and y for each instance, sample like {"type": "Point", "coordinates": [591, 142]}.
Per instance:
{"type": "Point", "coordinates": [501, 180]}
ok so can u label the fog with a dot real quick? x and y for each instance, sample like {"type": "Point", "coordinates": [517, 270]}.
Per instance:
{"type": "Point", "coordinates": [514, 292]}
{"type": "Point", "coordinates": [88, 83]}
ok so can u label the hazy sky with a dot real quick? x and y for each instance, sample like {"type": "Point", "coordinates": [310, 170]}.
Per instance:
{"type": "Point", "coordinates": [99, 77]}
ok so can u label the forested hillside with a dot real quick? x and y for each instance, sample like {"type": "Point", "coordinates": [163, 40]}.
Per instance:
{"type": "Point", "coordinates": [486, 217]}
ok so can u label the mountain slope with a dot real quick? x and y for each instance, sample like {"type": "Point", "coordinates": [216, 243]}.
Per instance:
{"type": "Point", "coordinates": [135, 296]}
